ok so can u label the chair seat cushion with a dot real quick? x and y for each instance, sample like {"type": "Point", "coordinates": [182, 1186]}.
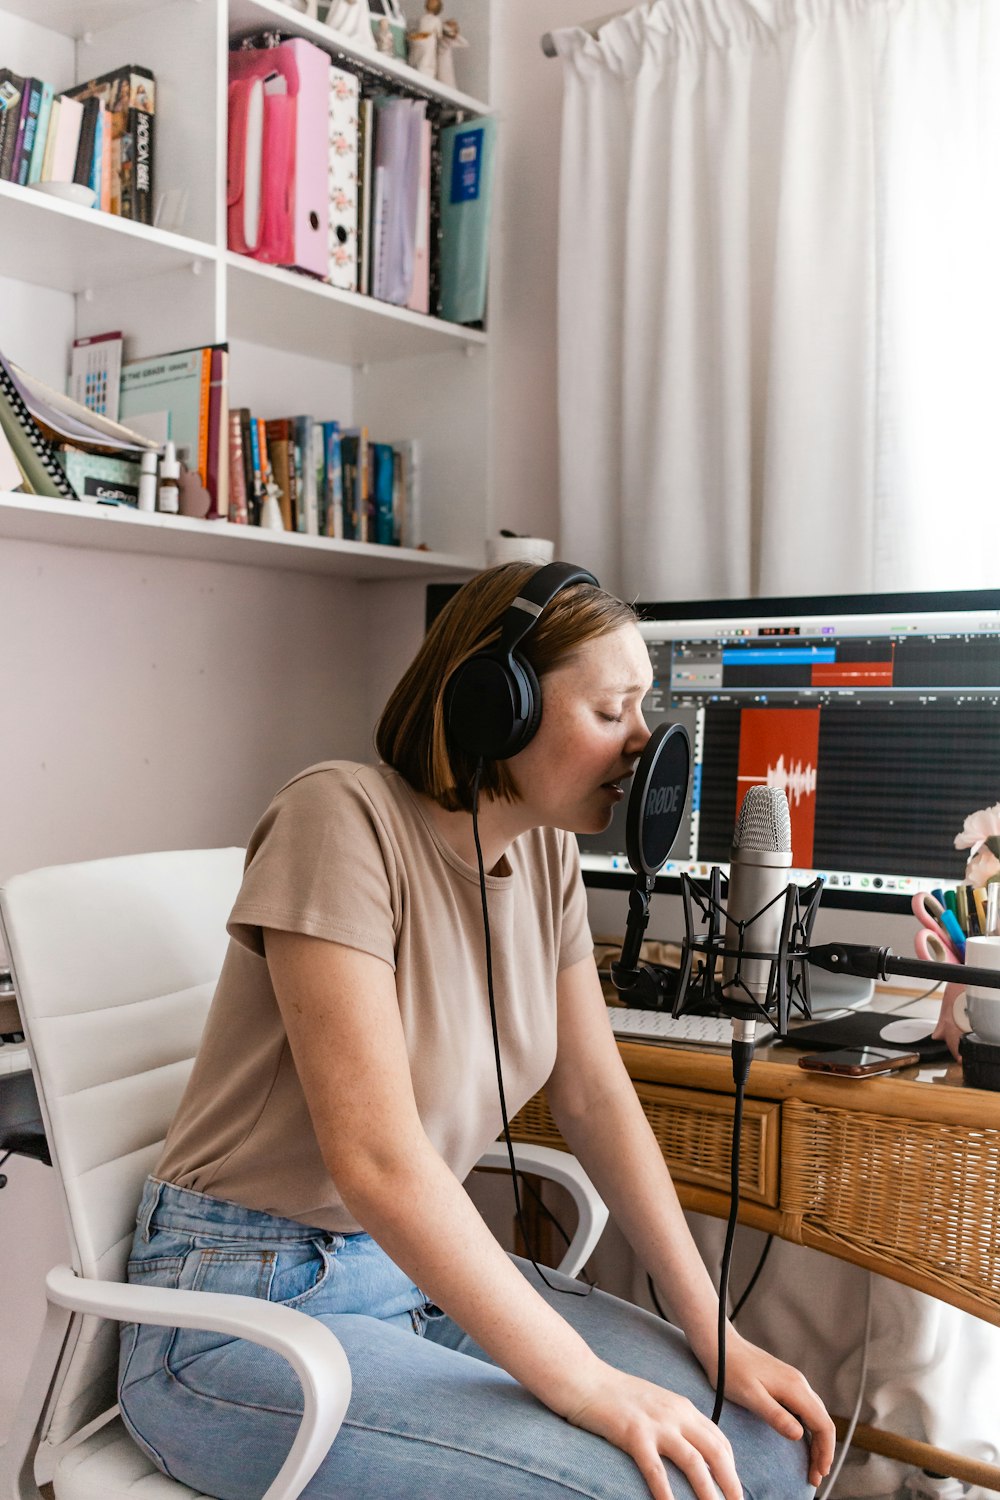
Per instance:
{"type": "Point", "coordinates": [108, 1466]}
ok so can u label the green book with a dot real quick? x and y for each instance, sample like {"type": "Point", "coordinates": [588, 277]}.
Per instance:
{"type": "Point", "coordinates": [467, 155]}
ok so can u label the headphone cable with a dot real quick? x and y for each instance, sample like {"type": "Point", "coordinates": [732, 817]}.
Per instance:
{"type": "Point", "coordinates": [573, 1291]}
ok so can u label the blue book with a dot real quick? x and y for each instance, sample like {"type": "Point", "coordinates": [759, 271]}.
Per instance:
{"type": "Point", "coordinates": [383, 464]}
{"type": "Point", "coordinates": [333, 482]}
{"type": "Point", "coordinates": [467, 156]}
{"type": "Point", "coordinates": [98, 157]}
{"type": "Point", "coordinates": [41, 133]}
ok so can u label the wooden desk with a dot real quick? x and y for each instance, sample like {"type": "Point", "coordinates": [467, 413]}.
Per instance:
{"type": "Point", "coordinates": [898, 1176]}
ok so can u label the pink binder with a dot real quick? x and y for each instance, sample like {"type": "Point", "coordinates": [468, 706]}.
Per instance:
{"type": "Point", "coordinates": [277, 197]}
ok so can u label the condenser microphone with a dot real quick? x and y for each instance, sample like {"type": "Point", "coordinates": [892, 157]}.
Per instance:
{"type": "Point", "coordinates": [653, 816]}
{"type": "Point", "coordinates": [760, 859]}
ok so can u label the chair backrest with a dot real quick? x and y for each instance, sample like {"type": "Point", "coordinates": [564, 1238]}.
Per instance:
{"type": "Point", "coordinates": [114, 962]}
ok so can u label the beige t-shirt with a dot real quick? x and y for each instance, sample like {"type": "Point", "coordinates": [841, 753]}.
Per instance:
{"type": "Point", "coordinates": [344, 852]}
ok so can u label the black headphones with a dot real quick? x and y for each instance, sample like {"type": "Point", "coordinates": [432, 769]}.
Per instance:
{"type": "Point", "coordinates": [493, 703]}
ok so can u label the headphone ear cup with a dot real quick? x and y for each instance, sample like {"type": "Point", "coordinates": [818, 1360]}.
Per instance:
{"type": "Point", "coordinates": [492, 708]}
{"type": "Point", "coordinates": [533, 697]}
{"type": "Point", "coordinates": [482, 704]}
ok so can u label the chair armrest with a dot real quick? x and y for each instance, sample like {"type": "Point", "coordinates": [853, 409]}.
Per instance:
{"type": "Point", "coordinates": [312, 1350]}
{"type": "Point", "coordinates": [563, 1168]}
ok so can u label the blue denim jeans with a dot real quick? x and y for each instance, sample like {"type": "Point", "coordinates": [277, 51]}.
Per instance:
{"type": "Point", "coordinates": [430, 1416]}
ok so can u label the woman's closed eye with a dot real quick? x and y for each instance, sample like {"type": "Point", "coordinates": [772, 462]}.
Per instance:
{"type": "Point", "coordinates": [610, 718]}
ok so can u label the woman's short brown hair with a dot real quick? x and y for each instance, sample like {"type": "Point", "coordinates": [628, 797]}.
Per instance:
{"type": "Point", "coordinates": [410, 735]}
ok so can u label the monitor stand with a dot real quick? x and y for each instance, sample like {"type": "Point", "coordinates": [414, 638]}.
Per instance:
{"type": "Point", "coordinates": [838, 991]}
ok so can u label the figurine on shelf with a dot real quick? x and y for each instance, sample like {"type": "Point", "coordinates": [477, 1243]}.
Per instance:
{"type": "Point", "coordinates": [449, 39]}
{"type": "Point", "coordinates": [422, 48]}
{"type": "Point", "coordinates": [384, 40]}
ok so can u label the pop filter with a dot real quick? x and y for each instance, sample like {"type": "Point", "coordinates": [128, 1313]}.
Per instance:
{"type": "Point", "coordinates": [656, 800]}
{"type": "Point", "coordinates": [655, 808]}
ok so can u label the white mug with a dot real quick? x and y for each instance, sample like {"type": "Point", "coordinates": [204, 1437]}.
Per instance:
{"type": "Point", "coordinates": [978, 1009]}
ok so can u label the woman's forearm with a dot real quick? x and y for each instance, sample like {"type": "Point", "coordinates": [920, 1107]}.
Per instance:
{"type": "Point", "coordinates": [619, 1152]}
{"type": "Point", "coordinates": [425, 1221]}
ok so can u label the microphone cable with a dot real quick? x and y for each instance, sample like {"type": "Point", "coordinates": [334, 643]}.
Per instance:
{"type": "Point", "coordinates": [571, 1291]}
{"type": "Point", "coordinates": [742, 1053]}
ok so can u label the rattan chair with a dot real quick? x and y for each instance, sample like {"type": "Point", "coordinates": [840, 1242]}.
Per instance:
{"type": "Point", "coordinates": [115, 962]}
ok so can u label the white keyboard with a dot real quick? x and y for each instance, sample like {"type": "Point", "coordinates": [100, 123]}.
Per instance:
{"type": "Point", "coordinates": [677, 1031]}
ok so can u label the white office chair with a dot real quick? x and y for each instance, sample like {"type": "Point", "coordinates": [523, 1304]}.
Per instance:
{"type": "Point", "coordinates": [115, 962]}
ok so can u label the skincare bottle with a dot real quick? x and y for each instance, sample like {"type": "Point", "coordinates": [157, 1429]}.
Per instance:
{"type": "Point", "coordinates": [147, 480]}
{"type": "Point", "coordinates": [168, 494]}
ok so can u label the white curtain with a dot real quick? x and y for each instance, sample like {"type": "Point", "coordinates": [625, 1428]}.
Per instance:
{"type": "Point", "coordinates": [779, 314]}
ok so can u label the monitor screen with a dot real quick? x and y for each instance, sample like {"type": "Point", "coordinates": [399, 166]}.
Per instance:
{"type": "Point", "coordinates": [877, 715]}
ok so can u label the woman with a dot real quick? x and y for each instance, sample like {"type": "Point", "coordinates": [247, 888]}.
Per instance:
{"type": "Point", "coordinates": [346, 1085]}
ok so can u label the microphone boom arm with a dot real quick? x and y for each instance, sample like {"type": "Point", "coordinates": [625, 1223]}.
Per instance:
{"type": "Point", "coordinates": [880, 963]}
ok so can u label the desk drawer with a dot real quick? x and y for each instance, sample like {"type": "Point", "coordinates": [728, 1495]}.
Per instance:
{"type": "Point", "coordinates": [918, 1196]}
{"type": "Point", "coordinates": [694, 1132]}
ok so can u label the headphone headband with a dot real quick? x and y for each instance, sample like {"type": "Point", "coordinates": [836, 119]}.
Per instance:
{"type": "Point", "coordinates": [539, 591]}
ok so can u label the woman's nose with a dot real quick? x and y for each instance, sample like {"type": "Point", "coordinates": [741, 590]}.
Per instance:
{"type": "Point", "coordinates": [639, 735]}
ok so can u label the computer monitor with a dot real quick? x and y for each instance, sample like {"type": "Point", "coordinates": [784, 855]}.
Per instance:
{"type": "Point", "coordinates": [877, 714]}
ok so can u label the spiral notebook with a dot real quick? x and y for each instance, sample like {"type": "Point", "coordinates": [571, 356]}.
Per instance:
{"type": "Point", "coordinates": [34, 453]}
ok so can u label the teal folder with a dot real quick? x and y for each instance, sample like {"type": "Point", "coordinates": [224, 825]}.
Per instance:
{"type": "Point", "coordinates": [467, 156]}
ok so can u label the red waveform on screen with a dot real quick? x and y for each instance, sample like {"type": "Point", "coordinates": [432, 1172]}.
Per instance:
{"type": "Point", "coordinates": [779, 747]}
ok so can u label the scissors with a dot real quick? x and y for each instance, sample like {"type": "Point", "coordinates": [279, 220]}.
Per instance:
{"type": "Point", "coordinates": [933, 943]}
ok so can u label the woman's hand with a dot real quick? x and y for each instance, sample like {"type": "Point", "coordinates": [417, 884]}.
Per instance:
{"type": "Point", "coordinates": [947, 1028]}
{"type": "Point", "coordinates": [781, 1395]}
{"type": "Point", "coordinates": [650, 1424]}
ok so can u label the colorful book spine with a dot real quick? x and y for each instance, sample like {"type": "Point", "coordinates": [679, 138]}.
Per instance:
{"type": "Point", "coordinates": [41, 133]}
{"type": "Point", "coordinates": [27, 129]}
{"type": "Point", "coordinates": [308, 516]}
{"type": "Point", "coordinates": [333, 482]}
{"type": "Point", "coordinates": [343, 180]}
{"type": "Point", "coordinates": [129, 94]}
{"type": "Point", "coordinates": [11, 91]}
{"type": "Point", "coordinates": [238, 511]}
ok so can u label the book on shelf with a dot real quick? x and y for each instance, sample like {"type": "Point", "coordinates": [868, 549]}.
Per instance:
{"type": "Point", "coordinates": [366, 140]}
{"type": "Point", "coordinates": [180, 384]}
{"type": "Point", "coordinates": [64, 127]}
{"type": "Point", "coordinates": [398, 145]}
{"type": "Point", "coordinates": [27, 129]}
{"type": "Point", "coordinates": [238, 511]}
{"type": "Point", "coordinates": [307, 519]}
{"type": "Point", "coordinates": [333, 488]}
{"type": "Point", "coordinates": [41, 132]}
{"type": "Point", "coordinates": [280, 448]}
{"type": "Point", "coordinates": [101, 478]}
{"type": "Point", "coordinates": [129, 97]}
{"type": "Point", "coordinates": [83, 169]}
{"type": "Point", "coordinates": [64, 420]}
{"type": "Point", "coordinates": [11, 90]}
{"type": "Point", "coordinates": [33, 453]}
{"type": "Point", "coordinates": [96, 371]}
{"type": "Point", "coordinates": [217, 458]}
{"type": "Point", "coordinates": [467, 158]}
{"type": "Point", "coordinates": [342, 179]}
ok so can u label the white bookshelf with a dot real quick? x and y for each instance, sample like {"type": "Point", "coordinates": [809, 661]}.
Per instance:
{"type": "Point", "coordinates": [68, 523]}
{"type": "Point", "coordinates": [177, 285]}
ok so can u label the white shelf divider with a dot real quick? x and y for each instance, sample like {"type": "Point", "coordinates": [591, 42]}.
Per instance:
{"type": "Point", "coordinates": [72, 523]}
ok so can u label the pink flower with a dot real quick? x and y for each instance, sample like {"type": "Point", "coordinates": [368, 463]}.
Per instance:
{"type": "Point", "coordinates": [979, 826]}
{"type": "Point", "coordinates": [982, 867]}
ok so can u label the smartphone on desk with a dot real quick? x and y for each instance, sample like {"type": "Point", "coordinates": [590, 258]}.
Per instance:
{"type": "Point", "coordinates": [859, 1062]}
